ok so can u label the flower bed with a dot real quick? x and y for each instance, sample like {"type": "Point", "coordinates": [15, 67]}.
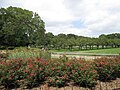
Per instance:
{"type": "Point", "coordinates": [108, 68]}
{"type": "Point", "coordinates": [58, 72]}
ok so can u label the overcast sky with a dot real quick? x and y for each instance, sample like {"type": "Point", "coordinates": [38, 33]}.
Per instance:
{"type": "Point", "coordinates": [80, 17]}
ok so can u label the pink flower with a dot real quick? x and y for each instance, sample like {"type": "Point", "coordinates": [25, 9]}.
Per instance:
{"type": "Point", "coordinates": [40, 69]}
{"type": "Point", "coordinates": [26, 71]}
{"type": "Point", "coordinates": [50, 80]}
{"type": "Point", "coordinates": [58, 70]}
{"type": "Point", "coordinates": [10, 78]}
{"type": "Point", "coordinates": [73, 71]}
{"type": "Point", "coordinates": [32, 74]}
{"type": "Point", "coordinates": [53, 68]}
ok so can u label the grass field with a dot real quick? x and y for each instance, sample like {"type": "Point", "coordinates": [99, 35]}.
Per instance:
{"type": "Point", "coordinates": [104, 51]}
{"type": "Point", "coordinates": [99, 51]}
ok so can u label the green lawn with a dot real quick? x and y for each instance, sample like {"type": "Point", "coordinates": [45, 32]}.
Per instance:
{"type": "Point", "coordinates": [104, 51]}
{"type": "Point", "coordinates": [98, 51]}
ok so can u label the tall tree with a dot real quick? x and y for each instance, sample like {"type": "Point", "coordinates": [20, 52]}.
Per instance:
{"type": "Point", "coordinates": [20, 27]}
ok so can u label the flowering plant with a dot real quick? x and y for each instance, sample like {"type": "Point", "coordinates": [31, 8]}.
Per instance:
{"type": "Point", "coordinates": [84, 74]}
{"type": "Point", "coordinates": [108, 68]}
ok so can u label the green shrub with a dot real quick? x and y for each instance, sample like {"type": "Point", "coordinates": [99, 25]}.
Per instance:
{"type": "Point", "coordinates": [29, 53]}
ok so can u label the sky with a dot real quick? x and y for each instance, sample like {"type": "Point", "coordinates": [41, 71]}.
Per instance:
{"type": "Point", "coordinates": [81, 17]}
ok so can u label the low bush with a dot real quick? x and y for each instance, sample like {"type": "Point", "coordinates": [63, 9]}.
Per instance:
{"type": "Point", "coordinates": [29, 53]}
{"type": "Point", "coordinates": [108, 68]}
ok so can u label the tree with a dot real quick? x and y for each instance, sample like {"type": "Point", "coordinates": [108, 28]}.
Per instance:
{"type": "Point", "coordinates": [48, 40]}
{"type": "Point", "coordinates": [62, 39]}
{"type": "Point", "coordinates": [20, 27]}
{"type": "Point", "coordinates": [97, 42]}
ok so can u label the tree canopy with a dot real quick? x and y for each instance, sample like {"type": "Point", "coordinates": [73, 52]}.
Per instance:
{"type": "Point", "coordinates": [20, 27]}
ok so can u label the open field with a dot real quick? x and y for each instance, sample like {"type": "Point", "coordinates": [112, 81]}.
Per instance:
{"type": "Point", "coordinates": [98, 51]}
{"type": "Point", "coordinates": [104, 51]}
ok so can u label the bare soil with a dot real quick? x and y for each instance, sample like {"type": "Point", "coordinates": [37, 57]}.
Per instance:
{"type": "Point", "coordinates": [112, 85]}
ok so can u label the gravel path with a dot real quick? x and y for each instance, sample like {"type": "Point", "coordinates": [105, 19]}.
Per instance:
{"type": "Point", "coordinates": [86, 56]}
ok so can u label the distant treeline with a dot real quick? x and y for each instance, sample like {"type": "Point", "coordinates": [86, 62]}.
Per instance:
{"type": "Point", "coordinates": [63, 41]}
{"type": "Point", "coordinates": [21, 27]}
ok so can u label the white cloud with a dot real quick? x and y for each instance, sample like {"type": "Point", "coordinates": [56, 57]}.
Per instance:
{"type": "Point", "coordinates": [50, 10]}
{"type": "Point", "coordinates": [97, 16]}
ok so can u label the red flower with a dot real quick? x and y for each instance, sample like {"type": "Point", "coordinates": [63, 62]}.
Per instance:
{"type": "Point", "coordinates": [63, 77]}
{"type": "Point", "coordinates": [30, 66]}
{"type": "Point", "coordinates": [46, 63]}
{"type": "Point", "coordinates": [67, 63]}
{"type": "Point", "coordinates": [94, 71]}
{"type": "Point", "coordinates": [39, 60]}
{"type": "Point", "coordinates": [95, 79]}
{"type": "Point", "coordinates": [35, 69]}
{"type": "Point", "coordinates": [81, 68]}
{"type": "Point", "coordinates": [27, 77]}
{"type": "Point", "coordinates": [26, 71]}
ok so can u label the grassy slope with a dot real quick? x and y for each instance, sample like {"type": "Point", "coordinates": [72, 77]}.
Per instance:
{"type": "Point", "coordinates": [99, 51]}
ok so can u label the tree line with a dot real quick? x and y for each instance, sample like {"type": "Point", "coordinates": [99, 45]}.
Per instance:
{"type": "Point", "coordinates": [21, 27]}
{"type": "Point", "coordinates": [63, 41]}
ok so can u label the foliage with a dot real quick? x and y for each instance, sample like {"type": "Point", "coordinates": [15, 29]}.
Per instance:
{"type": "Point", "coordinates": [29, 53]}
{"type": "Point", "coordinates": [57, 75]}
{"type": "Point", "coordinates": [57, 72]}
{"type": "Point", "coordinates": [20, 27]}
{"type": "Point", "coordinates": [108, 68]}
{"type": "Point", "coordinates": [71, 41]}
{"type": "Point", "coordinates": [82, 72]}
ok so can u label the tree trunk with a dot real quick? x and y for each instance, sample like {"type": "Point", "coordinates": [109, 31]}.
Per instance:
{"type": "Point", "coordinates": [97, 46]}
{"type": "Point", "coordinates": [92, 46]}
{"type": "Point", "coordinates": [86, 47]}
{"type": "Point", "coordinates": [79, 47]}
{"type": "Point", "coordinates": [102, 46]}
